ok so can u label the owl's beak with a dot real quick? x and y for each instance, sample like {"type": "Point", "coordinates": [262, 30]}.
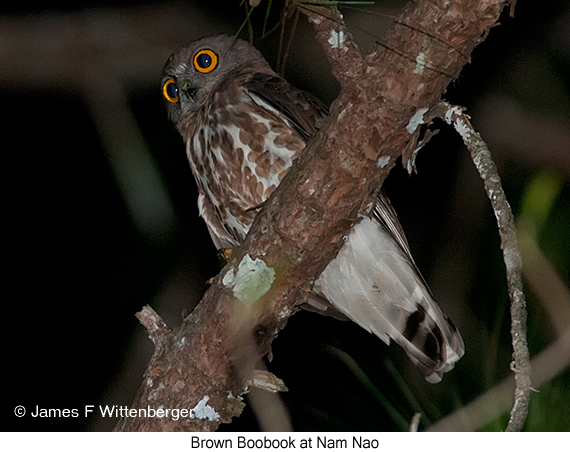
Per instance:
{"type": "Point", "coordinates": [187, 87]}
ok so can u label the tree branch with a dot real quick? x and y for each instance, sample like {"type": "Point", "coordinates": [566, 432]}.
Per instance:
{"type": "Point", "coordinates": [301, 227]}
{"type": "Point", "coordinates": [513, 260]}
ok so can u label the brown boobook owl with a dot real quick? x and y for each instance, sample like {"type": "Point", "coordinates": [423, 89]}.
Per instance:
{"type": "Point", "coordinates": [243, 126]}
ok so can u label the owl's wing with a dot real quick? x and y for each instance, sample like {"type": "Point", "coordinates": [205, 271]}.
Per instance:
{"type": "Point", "coordinates": [375, 284]}
{"type": "Point", "coordinates": [385, 214]}
{"type": "Point", "coordinates": [305, 113]}
{"type": "Point", "coordinates": [220, 236]}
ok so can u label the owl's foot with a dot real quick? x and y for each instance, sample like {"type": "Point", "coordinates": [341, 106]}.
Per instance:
{"type": "Point", "coordinates": [224, 255]}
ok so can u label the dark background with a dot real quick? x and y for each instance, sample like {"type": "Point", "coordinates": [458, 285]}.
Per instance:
{"type": "Point", "coordinates": [101, 215]}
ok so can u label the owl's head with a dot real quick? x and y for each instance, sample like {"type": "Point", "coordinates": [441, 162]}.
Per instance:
{"type": "Point", "coordinates": [193, 71]}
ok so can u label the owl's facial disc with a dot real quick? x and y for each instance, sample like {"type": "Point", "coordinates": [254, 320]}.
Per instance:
{"type": "Point", "coordinates": [193, 72]}
{"type": "Point", "coordinates": [192, 78]}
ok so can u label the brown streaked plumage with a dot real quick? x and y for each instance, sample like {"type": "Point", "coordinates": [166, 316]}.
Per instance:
{"type": "Point", "coordinates": [243, 127]}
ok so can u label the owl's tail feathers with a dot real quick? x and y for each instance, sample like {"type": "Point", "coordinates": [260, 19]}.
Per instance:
{"type": "Point", "coordinates": [431, 341]}
{"type": "Point", "coordinates": [376, 285]}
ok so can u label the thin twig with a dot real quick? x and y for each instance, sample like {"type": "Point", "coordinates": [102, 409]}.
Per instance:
{"type": "Point", "coordinates": [403, 55]}
{"type": "Point", "coordinates": [511, 254]}
{"type": "Point", "coordinates": [288, 48]}
{"type": "Point", "coordinates": [282, 34]}
{"type": "Point", "coordinates": [266, 18]}
{"type": "Point", "coordinates": [415, 422]}
{"type": "Point", "coordinates": [248, 20]}
{"type": "Point", "coordinates": [548, 364]}
{"type": "Point", "coordinates": [155, 326]}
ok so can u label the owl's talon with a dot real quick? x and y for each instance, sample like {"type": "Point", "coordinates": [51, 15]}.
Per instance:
{"type": "Point", "coordinates": [224, 255]}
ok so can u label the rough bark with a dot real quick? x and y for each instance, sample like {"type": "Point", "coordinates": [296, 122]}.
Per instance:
{"type": "Point", "coordinates": [302, 226]}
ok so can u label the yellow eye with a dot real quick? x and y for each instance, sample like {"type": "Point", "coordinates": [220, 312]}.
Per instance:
{"type": "Point", "coordinates": [205, 61]}
{"type": "Point", "coordinates": [170, 91]}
